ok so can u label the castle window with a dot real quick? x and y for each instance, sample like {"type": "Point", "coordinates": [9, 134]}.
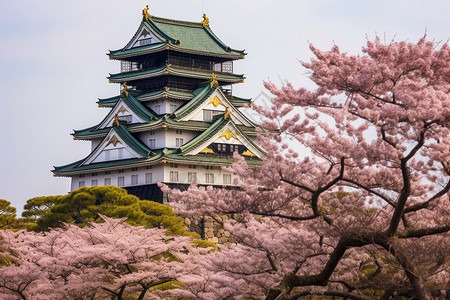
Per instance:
{"type": "Point", "coordinates": [179, 142]}
{"type": "Point", "coordinates": [152, 143]}
{"type": "Point", "coordinates": [173, 176]}
{"type": "Point", "coordinates": [81, 175]}
{"type": "Point", "coordinates": [121, 171]}
{"type": "Point", "coordinates": [81, 184]}
{"type": "Point", "coordinates": [173, 107]}
{"type": "Point", "coordinates": [192, 176]}
{"type": "Point", "coordinates": [173, 165]}
{"type": "Point", "coordinates": [134, 169]}
{"type": "Point", "coordinates": [121, 181]}
{"type": "Point", "coordinates": [192, 166]}
{"type": "Point", "coordinates": [107, 172]}
{"type": "Point", "coordinates": [107, 181]}
{"type": "Point", "coordinates": [149, 167]}
{"type": "Point", "coordinates": [209, 178]}
{"type": "Point", "coordinates": [127, 118]}
{"type": "Point", "coordinates": [148, 178]}
{"type": "Point", "coordinates": [179, 131]}
{"type": "Point", "coordinates": [134, 179]}
{"type": "Point", "coordinates": [226, 178]}
{"type": "Point", "coordinates": [94, 182]}
{"type": "Point", "coordinates": [208, 114]}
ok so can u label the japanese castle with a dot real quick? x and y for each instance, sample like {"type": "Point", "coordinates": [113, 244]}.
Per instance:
{"type": "Point", "coordinates": [175, 120]}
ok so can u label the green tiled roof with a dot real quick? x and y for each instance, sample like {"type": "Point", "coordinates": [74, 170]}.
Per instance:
{"type": "Point", "coordinates": [205, 135]}
{"type": "Point", "coordinates": [209, 160]}
{"type": "Point", "coordinates": [128, 139]}
{"type": "Point", "coordinates": [238, 101]}
{"type": "Point", "coordinates": [176, 71]}
{"type": "Point", "coordinates": [182, 36]}
{"type": "Point", "coordinates": [166, 93]}
{"type": "Point", "coordinates": [200, 94]}
{"type": "Point", "coordinates": [131, 141]}
{"type": "Point", "coordinates": [140, 110]}
{"type": "Point", "coordinates": [93, 132]}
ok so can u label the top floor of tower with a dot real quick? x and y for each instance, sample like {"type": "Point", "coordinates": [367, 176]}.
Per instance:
{"type": "Point", "coordinates": [174, 54]}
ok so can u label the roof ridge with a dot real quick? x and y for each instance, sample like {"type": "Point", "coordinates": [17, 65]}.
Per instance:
{"type": "Point", "coordinates": [181, 22]}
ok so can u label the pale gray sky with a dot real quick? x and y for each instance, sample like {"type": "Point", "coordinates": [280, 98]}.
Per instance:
{"type": "Point", "coordinates": [53, 65]}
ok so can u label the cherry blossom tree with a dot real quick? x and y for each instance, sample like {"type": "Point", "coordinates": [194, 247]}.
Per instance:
{"type": "Point", "coordinates": [353, 198]}
{"type": "Point", "coordinates": [109, 259]}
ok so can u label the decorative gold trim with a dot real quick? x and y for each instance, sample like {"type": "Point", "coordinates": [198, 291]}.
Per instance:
{"type": "Point", "coordinates": [214, 80]}
{"type": "Point", "coordinates": [113, 140]}
{"type": "Point", "coordinates": [122, 110]}
{"type": "Point", "coordinates": [116, 120]}
{"type": "Point", "coordinates": [205, 21]}
{"type": "Point", "coordinates": [207, 150]}
{"type": "Point", "coordinates": [227, 114]}
{"type": "Point", "coordinates": [228, 135]}
{"type": "Point", "coordinates": [248, 153]}
{"type": "Point", "coordinates": [145, 13]}
{"type": "Point", "coordinates": [125, 88]}
{"type": "Point", "coordinates": [216, 102]}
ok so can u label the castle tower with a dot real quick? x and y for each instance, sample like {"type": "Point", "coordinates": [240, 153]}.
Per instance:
{"type": "Point", "coordinates": [175, 119]}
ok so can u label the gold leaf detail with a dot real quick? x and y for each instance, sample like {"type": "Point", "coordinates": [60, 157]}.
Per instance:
{"type": "Point", "coordinates": [122, 110]}
{"type": "Point", "coordinates": [114, 140]}
{"type": "Point", "coordinates": [207, 150]}
{"type": "Point", "coordinates": [216, 102]}
{"type": "Point", "coordinates": [248, 153]}
{"type": "Point", "coordinates": [228, 135]}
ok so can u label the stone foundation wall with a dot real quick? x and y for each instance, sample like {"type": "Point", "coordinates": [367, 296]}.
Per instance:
{"type": "Point", "coordinates": [209, 229]}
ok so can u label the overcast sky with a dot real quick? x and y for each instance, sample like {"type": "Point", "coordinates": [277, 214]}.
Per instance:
{"type": "Point", "coordinates": [53, 65]}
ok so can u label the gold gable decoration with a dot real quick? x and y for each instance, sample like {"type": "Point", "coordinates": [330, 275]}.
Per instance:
{"type": "Point", "coordinates": [113, 140]}
{"type": "Point", "coordinates": [207, 150]}
{"type": "Point", "coordinates": [228, 135]}
{"type": "Point", "coordinates": [248, 153]}
{"type": "Point", "coordinates": [122, 110]}
{"type": "Point", "coordinates": [216, 102]}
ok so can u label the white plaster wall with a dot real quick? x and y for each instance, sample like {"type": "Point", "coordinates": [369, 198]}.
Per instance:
{"type": "Point", "coordinates": [157, 174]}
{"type": "Point", "coordinates": [95, 143]}
{"type": "Point", "coordinates": [172, 135]}
{"type": "Point", "coordinates": [159, 135]}
{"type": "Point", "coordinates": [201, 174]}
{"type": "Point", "coordinates": [114, 155]}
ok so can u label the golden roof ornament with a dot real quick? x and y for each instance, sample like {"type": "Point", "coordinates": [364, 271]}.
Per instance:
{"type": "Point", "coordinates": [145, 13]}
{"type": "Point", "coordinates": [227, 114]}
{"type": "Point", "coordinates": [205, 21]}
{"type": "Point", "coordinates": [116, 120]}
{"type": "Point", "coordinates": [214, 80]}
{"type": "Point", "coordinates": [125, 89]}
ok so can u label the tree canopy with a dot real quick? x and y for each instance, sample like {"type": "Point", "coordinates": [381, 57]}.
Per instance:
{"type": "Point", "coordinates": [353, 199]}
{"type": "Point", "coordinates": [85, 205]}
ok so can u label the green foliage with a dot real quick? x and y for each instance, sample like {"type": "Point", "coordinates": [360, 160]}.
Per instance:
{"type": "Point", "coordinates": [38, 207]}
{"type": "Point", "coordinates": [7, 215]}
{"type": "Point", "coordinates": [85, 204]}
{"type": "Point", "coordinates": [205, 244]}
{"type": "Point", "coordinates": [168, 285]}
